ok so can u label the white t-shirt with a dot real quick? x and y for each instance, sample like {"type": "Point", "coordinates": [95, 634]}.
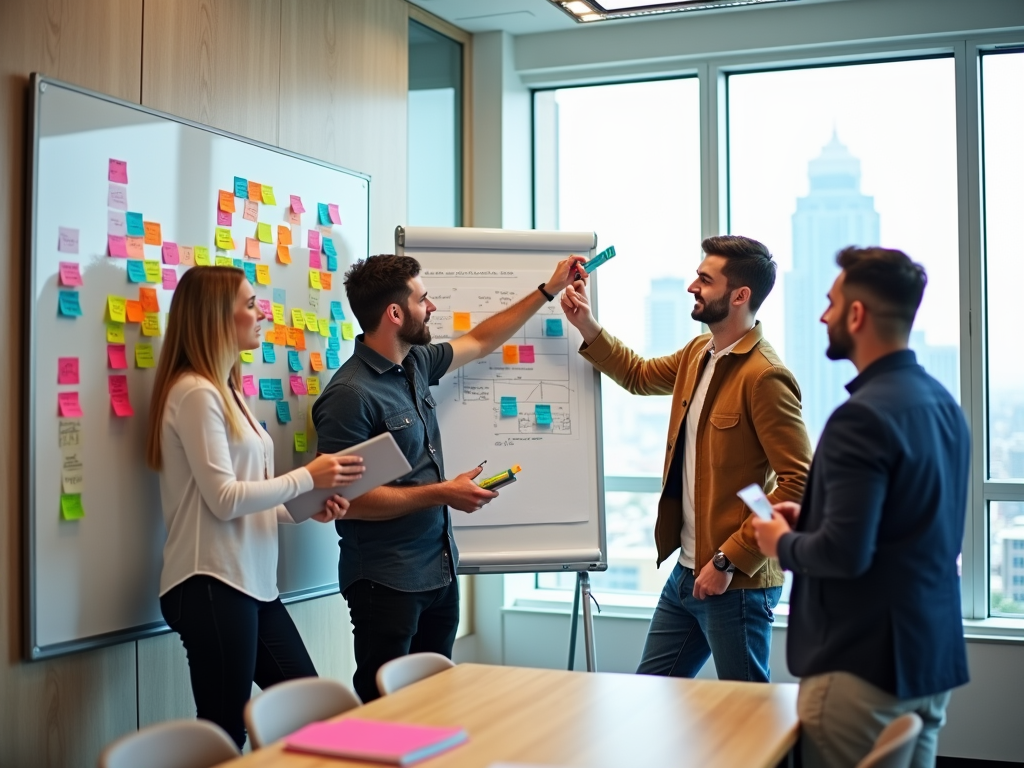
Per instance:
{"type": "Point", "coordinates": [221, 501]}
{"type": "Point", "coordinates": [687, 540]}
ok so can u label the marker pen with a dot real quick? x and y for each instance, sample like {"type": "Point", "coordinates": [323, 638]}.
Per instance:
{"type": "Point", "coordinates": [497, 481]}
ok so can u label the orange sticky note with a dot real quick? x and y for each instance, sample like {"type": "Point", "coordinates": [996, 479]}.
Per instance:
{"type": "Point", "coordinates": [462, 321]}
{"type": "Point", "coordinates": [255, 191]}
{"type": "Point", "coordinates": [325, 280]}
{"type": "Point", "coordinates": [134, 247]}
{"type": "Point", "coordinates": [281, 333]}
{"type": "Point", "coordinates": [226, 201]}
{"type": "Point", "coordinates": [148, 299]}
{"type": "Point", "coordinates": [316, 360]}
{"type": "Point", "coordinates": [283, 254]}
{"type": "Point", "coordinates": [152, 230]}
{"type": "Point", "coordinates": [510, 354]}
{"type": "Point", "coordinates": [292, 333]}
{"type": "Point", "coordinates": [252, 248]}
{"type": "Point", "coordinates": [300, 339]}
{"type": "Point", "coordinates": [134, 311]}
{"type": "Point", "coordinates": [284, 235]}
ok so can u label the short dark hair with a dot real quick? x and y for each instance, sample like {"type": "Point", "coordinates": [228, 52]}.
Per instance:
{"type": "Point", "coordinates": [375, 282]}
{"type": "Point", "coordinates": [892, 282]}
{"type": "Point", "coordinates": [747, 263]}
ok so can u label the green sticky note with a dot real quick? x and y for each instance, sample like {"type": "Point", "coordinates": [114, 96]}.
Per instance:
{"type": "Point", "coordinates": [71, 506]}
{"type": "Point", "coordinates": [263, 233]}
{"type": "Point", "coordinates": [348, 331]}
{"type": "Point", "coordinates": [202, 256]}
{"type": "Point", "coordinates": [300, 442]}
{"type": "Point", "coordinates": [153, 274]}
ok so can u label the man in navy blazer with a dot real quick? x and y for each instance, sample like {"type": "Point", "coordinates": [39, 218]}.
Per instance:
{"type": "Point", "coordinates": [875, 625]}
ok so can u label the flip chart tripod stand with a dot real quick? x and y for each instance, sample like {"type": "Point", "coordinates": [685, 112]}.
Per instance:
{"type": "Point", "coordinates": [583, 588]}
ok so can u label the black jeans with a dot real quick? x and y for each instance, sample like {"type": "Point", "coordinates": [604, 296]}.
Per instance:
{"type": "Point", "coordinates": [388, 623]}
{"type": "Point", "coordinates": [232, 640]}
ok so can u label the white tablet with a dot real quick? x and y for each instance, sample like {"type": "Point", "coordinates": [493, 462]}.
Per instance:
{"type": "Point", "coordinates": [753, 496]}
{"type": "Point", "coordinates": [383, 461]}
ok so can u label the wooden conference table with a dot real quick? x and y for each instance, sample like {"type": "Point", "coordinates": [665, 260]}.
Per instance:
{"type": "Point", "coordinates": [598, 720]}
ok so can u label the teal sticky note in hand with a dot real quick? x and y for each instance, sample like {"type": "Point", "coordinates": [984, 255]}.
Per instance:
{"type": "Point", "coordinates": [328, 247]}
{"type": "Point", "coordinates": [136, 271]}
{"type": "Point", "coordinates": [323, 214]}
{"type": "Point", "coordinates": [250, 271]}
{"type": "Point", "coordinates": [509, 407]}
{"type": "Point", "coordinates": [332, 261]}
{"type": "Point", "coordinates": [266, 389]}
{"type": "Point", "coordinates": [69, 304]}
{"type": "Point", "coordinates": [133, 222]}
{"type": "Point", "coordinates": [278, 389]}
{"type": "Point", "coordinates": [293, 360]}
{"type": "Point", "coordinates": [284, 411]}
{"type": "Point", "coordinates": [543, 413]}
{"type": "Point", "coordinates": [241, 188]}
{"type": "Point", "coordinates": [337, 313]}
{"type": "Point", "coordinates": [332, 359]}
{"type": "Point", "coordinates": [553, 326]}
{"type": "Point", "coordinates": [269, 355]}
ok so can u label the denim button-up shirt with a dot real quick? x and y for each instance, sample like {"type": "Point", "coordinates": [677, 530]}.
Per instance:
{"type": "Point", "coordinates": [370, 395]}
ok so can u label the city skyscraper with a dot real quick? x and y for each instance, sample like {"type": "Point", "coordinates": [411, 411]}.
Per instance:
{"type": "Point", "coordinates": [669, 325]}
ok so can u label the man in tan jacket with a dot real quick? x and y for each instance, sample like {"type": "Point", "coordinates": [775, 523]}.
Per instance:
{"type": "Point", "coordinates": [735, 420]}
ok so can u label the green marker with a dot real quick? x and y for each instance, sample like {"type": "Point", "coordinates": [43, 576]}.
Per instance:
{"type": "Point", "coordinates": [502, 479]}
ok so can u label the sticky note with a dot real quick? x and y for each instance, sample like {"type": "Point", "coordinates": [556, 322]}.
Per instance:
{"type": "Point", "coordinates": [68, 406]}
{"type": "Point", "coordinates": [169, 252]}
{"type": "Point", "coordinates": [255, 191]}
{"type": "Point", "coordinates": [263, 274]}
{"type": "Point", "coordinates": [264, 305]}
{"type": "Point", "coordinates": [248, 385]}
{"type": "Point", "coordinates": [115, 308]}
{"type": "Point", "coordinates": [170, 279]}
{"type": "Point", "coordinates": [136, 271]}
{"type": "Point", "coordinates": [152, 270]}
{"type": "Point", "coordinates": [314, 260]}
{"type": "Point", "coordinates": [334, 213]}
{"type": "Point", "coordinates": [284, 234]}
{"type": "Point", "coordinates": [67, 240]}
{"type": "Point", "coordinates": [337, 312]}
{"type": "Point", "coordinates": [116, 358]}
{"type": "Point", "coordinates": [151, 324]}
{"type": "Point", "coordinates": [133, 245]}
{"type": "Point", "coordinates": [269, 355]}
{"type": "Point", "coordinates": [70, 275]}
{"type": "Point", "coordinates": [323, 325]}
{"type": "Point", "coordinates": [250, 271]}
{"type": "Point", "coordinates": [283, 254]}
{"type": "Point", "coordinates": [278, 389]}
{"type": "Point", "coordinates": [509, 406]}
{"type": "Point", "coordinates": [68, 304]}
{"type": "Point", "coordinates": [277, 312]}
{"type": "Point", "coordinates": [148, 299]}
{"type": "Point", "coordinates": [116, 224]}
{"type": "Point", "coordinates": [299, 339]}
{"type": "Point", "coordinates": [133, 311]}
{"type": "Point", "coordinates": [246, 355]}
{"type": "Point", "coordinates": [266, 389]}
{"type": "Point", "coordinates": [241, 187]}
{"type": "Point", "coordinates": [187, 255]}
{"type": "Point", "coordinates": [117, 247]}
{"type": "Point", "coordinates": [224, 260]}
{"type": "Point", "coordinates": [115, 333]}
{"type": "Point", "coordinates": [334, 343]}
{"type": "Point", "coordinates": [311, 322]}
{"type": "Point", "coordinates": [300, 442]}
{"type": "Point", "coordinates": [326, 280]}
{"type": "Point", "coordinates": [334, 329]}
{"type": "Point", "coordinates": [67, 370]}
{"type": "Point", "coordinates": [296, 203]}
{"type": "Point", "coordinates": [526, 353]}
{"type": "Point", "coordinates": [348, 331]}
{"type": "Point", "coordinates": [313, 385]}
{"type": "Point", "coordinates": [117, 170]}
{"type": "Point", "coordinates": [298, 385]}
{"type": "Point", "coordinates": [280, 296]}
{"type": "Point", "coordinates": [461, 321]}
{"type": "Point", "coordinates": [69, 433]}
{"type": "Point", "coordinates": [133, 221]}
{"type": "Point", "coordinates": [72, 472]}
{"type": "Point", "coordinates": [324, 214]}
{"type": "Point", "coordinates": [71, 506]}
{"type": "Point", "coordinates": [333, 361]}
{"type": "Point", "coordinates": [294, 362]}
{"type": "Point", "coordinates": [117, 197]}
{"type": "Point", "coordinates": [252, 248]}
{"type": "Point", "coordinates": [543, 413]}
{"type": "Point", "coordinates": [153, 235]}
{"type": "Point", "coordinates": [298, 318]}
{"type": "Point", "coordinates": [313, 240]}
{"type": "Point", "coordinates": [251, 211]}
{"type": "Point", "coordinates": [263, 233]}
{"type": "Point", "coordinates": [223, 239]}
{"type": "Point", "coordinates": [223, 219]}
{"type": "Point", "coordinates": [268, 195]}
{"type": "Point", "coordinates": [510, 354]}
{"type": "Point", "coordinates": [117, 385]}
{"type": "Point", "coordinates": [293, 217]}
{"type": "Point", "coordinates": [332, 263]}
{"type": "Point", "coordinates": [328, 247]}
{"type": "Point", "coordinates": [553, 326]}
{"type": "Point", "coordinates": [144, 356]}
{"type": "Point", "coordinates": [202, 256]}
{"type": "Point", "coordinates": [316, 361]}
{"type": "Point", "coordinates": [226, 201]}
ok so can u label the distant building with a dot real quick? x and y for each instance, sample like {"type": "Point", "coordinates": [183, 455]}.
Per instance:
{"type": "Point", "coordinates": [669, 325]}
{"type": "Point", "coordinates": [1012, 540]}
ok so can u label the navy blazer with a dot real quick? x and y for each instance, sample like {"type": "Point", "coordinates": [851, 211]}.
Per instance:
{"type": "Point", "coordinates": [876, 589]}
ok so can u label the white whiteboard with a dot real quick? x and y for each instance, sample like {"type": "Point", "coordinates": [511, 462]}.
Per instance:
{"type": "Point", "coordinates": [552, 518]}
{"type": "Point", "coordinates": [94, 580]}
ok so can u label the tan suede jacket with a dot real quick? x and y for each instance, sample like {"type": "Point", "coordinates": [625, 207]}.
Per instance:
{"type": "Point", "coordinates": [750, 431]}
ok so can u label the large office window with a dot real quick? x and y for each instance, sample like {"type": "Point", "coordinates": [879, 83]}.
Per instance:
{"type": "Point", "coordinates": [624, 161]}
{"type": "Point", "coordinates": [1003, 116]}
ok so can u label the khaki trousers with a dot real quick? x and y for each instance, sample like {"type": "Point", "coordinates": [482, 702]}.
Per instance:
{"type": "Point", "coordinates": [841, 715]}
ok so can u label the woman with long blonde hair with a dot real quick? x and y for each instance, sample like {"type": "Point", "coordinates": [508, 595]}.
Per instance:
{"type": "Point", "coordinates": [222, 502]}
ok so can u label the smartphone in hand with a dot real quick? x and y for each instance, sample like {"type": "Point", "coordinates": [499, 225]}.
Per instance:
{"type": "Point", "coordinates": [753, 496]}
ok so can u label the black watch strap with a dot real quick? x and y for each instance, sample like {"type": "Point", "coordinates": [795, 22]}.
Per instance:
{"type": "Point", "coordinates": [722, 563]}
{"type": "Point", "coordinates": [547, 295]}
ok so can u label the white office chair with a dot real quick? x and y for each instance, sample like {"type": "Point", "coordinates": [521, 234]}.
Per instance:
{"type": "Point", "coordinates": [895, 745]}
{"type": "Point", "coordinates": [406, 670]}
{"type": "Point", "coordinates": [286, 707]}
{"type": "Point", "coordinates": [174, 744]}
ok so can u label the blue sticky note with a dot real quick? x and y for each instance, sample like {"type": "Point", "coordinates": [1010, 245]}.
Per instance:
{"type": "Point", "coordinates": [136, 271]}
{"type": "Point", "coordinates": [250, 271]}
{"type": "Point", "coordinates": [269, 356]}
{"type": "Point", "coordinates": [509, 406]}
{"type": "Point", "coordinates": [279, 296]}
{"type": "Point", "coordinates": [133, 221]}
{"type": "Point", "coordinates": [543, 414]}
{"type": "Point", "coordinates": [241, 188]}
{"type": "Point", "coordinates": [69, 306]}
{"type": "Point", "coordinates": [337, 312]}
{"type": "Point", "coordinates": [278, 389]}
{"type": "Point", "coordinates": [284, 411]}
{"type": "Point", "coordinates": [237, 263]}
{"type": "Point", "coordinates": [266, 389]}
{"type": "Point", "coordinates": [553, 326]}
{"type": "Point", "coordinates": [332, 262]}
{"type": "Point", "coordinates": [332, 359]}
{"type": "Point", "coordinates": [324, 214]}
{"type": "Point", "coordinates": [328, 247]}
{"type": "Point", "coordinates": [333, 342]}
{"type": "Point", "coordinates": [293, 360]}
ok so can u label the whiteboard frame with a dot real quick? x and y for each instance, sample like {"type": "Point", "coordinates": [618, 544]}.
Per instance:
{"type": "Point", "coordinates": [38, 83]}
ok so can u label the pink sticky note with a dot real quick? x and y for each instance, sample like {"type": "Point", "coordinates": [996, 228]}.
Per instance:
{"type": "Point", "coordinates": [170, 279]}
{"type": "Point", "coordinates": [314, 260]}
{"type": "Point", "coordinates": [526, 353]}
{"type": "Point", "coordinates": [116, 358]}
{"type": "Point", "coordinates": [67, 240]}
{"type": "Point", "coordinates": [122, 405]}
{"type": "Point", "coordinates": [117, 197]}
{"type": "Point", "coordinates": [117, 170]}
{"type": "Point", "coordinates": [116, 223]}
{"type": "Point", "coordinates": [293, 217]}
{"type": "Point", "coordinates": [313, 240]}
{"type": "Point", "coordinates": [223, 218]}
{"type": "Point", "coordinates": [170, 253]}
{"type": "Point", "coordinates": [251, 211]}
{"type": "Point", "coordinates": [265, 308]}
{"type": "Point", "coordinates": [70, 273]}
{"type": "Point", "coordinates": [67, 370]}
{"type": "Point", "coordinates": [117, 247]}
{"type": "Point", "coordinates": [332, 208]}
{"type": "Point", "coordinates": [248, 386]}
{"type": "Point", "coordinates": [117, 384]}
{"type": "Point", "coordinates": [297, 204]}
{"type": "Point", "coordinates": [298, 385]}
{"type": "Point", "coordinates": [67, 405]}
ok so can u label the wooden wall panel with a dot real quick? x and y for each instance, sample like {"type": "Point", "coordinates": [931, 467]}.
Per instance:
{"type": "Point", "coordinates": [214, 61]}
{"type": "Point", "coordinates": [344, 94]}
{"type": "Point", "coordinates": [60, 712]}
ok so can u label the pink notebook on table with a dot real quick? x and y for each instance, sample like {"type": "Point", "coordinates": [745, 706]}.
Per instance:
{"type": "Point", "coordinates": [392, 743]}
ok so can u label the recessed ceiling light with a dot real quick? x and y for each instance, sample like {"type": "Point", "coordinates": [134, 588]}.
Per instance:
{"type": "Point", "coordinates": [599, 10]}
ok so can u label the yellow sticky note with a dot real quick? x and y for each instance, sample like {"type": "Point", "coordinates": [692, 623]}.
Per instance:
{"type": "Point", "coordinates": [268, 197]}
{"type": "Point", "coordinates": [314, 278]}
{"type": "Point", "coordinates": [224, 239]}
{"type": "Point", "coordinates": [116, 308]}
{"type": "Point", "coordinates": [298, 318]}
{"type": "Point", "coordinates": [278, 313]}
{"type": "Point", "coordinates": [115, 333]}
{"type": "Point", "coordinates": [246, 355]}
{"type": "Point", "coordinates": [510, 354]}
{"type": "Point", "coordinates": [283, 254]}
{"type": "Point", "coordinates": [71, 506]}
{"type": "Point", "coordinates": [316, 360]}
{"type": "Point", "coordinates": [263, 233]}
{"type": "Point", "coordinates": [152, 268]}
{"type": "Point", "coordinates": [284, 234]}
{"type": "Point", "coordinates": [300, 437]}
{"type": "Point", "coordinates": [313, 385]}
{"type": "Point", "coordinates": [151, 324]}
{"type": "Point", "coordinates": [348, 331]}
{"type": "Point", "coordinates": [324, 326]}
{"type": "Point", "coordinates": [311, 323]}
{"type": "Point", "coordinates": [144, 356]}
{"type": "Point", "coordinates": [462, 321]}
{"type": "Point", "coordinates": [263, 273]}
{"type": "Point", "coordinates": [224, 261]}
{"type": "Point", "coordinates": [202, 254]}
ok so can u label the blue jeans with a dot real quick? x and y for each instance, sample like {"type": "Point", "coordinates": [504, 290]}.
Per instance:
{"type": "Point", "coordinates": [735, 628]}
